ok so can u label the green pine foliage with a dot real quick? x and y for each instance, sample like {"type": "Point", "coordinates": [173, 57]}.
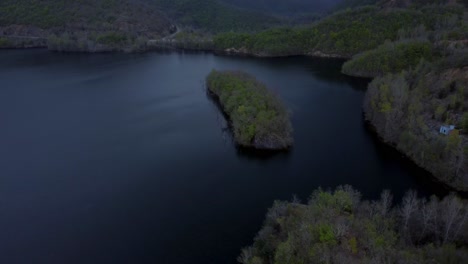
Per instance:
{"type": "Point", "coordinates": [48, 14]}
{"type": "Point", "coordinates": [214, 16]}
{"type": "Point", "coordinates": [389, 58]}
{"type": "Point", "coordinates": [4, 43]}
{"type": "Point", "coordinates": [80, 14]}
{"type": "Point", "coordinates": [257, 116]}
{"type": "Point", "coordinates": [206, 15]}
{"type": "Point", "coordinates": [277, 42]}
{"type": "Point", "coordinates": [111, 39]}
{"type": "Point", "coordinates": [29, 12]}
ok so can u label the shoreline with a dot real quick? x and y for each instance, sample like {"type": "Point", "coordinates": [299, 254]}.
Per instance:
{"type": "Point", "coordinates": [434, 179]}
{"type": "Point", "coordinates": [164, 45]}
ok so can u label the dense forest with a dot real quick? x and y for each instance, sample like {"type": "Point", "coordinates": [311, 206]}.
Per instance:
{"type": "Point", "coordinates": [407, 110]}
{"type": "Point", "coordinates": [214, 16]}
{"type": "Point", "coordinates": [447, 36]}
{"type": "Point", "coordinates": [83, 25]}
{"type": "Point", "coordinates": [339, 227]}
{"type": "Point", "coordinates": [342, 34]}
{"type": "Point", "coordinates": [108, 25]}
{"type": "Point", "coordinates": [389, 58]}
{"type": "Point", "coordinates": [84, 15]}
{"type": "Point", "coordinates": [77, 26]}
{"type": "Point", "coordinates": [421, 86]}
{"type": "Point", "coordinates": [258, 118]}
{"type": "Point", "coordinates": [293, 8]}
{"type": "Point", "coordinates": [210, 15]}
{"type": "Point", "coordinates": [286, 7]}
{"type": "Point", "coordinates": [239, 26]}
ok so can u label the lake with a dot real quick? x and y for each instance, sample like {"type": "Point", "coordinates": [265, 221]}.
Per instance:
{"type": "Point", "coordinates": [123, 158]}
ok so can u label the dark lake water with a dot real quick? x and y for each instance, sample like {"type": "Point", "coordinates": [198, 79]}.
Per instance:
{"type": "Point", "coordinates": [119, 158]}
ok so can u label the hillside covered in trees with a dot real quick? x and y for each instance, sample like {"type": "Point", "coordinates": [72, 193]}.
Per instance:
{"type": "Point", "coordinates": [421, 86]}
{"type": "Point", "coordinates": [214, 16]}
{"type": "Point", "coordinates": [248, 27]}
{"type": "Point", "coordinates": [82, 25]}
{"type": "Point", "coordinates": [392, 57]}
{"type": "Point", "coordinates": [210, 15]}
{"type": "Point", "coordinates": [343, 34]}
{"type": "Point", "coordinates": [286, 7]}
{"type": "Point", "coordinates": [339, 227]}
{"type": "Point", "coordinates": [104, 25]}
{"type": "Point", "coordinates": [407, 110]}
{"type": "Point", "coordinates": [430, 43]}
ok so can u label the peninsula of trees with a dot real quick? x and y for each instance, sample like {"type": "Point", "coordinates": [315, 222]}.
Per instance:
{"type": "Point", "coordinates": [407, 110]}
{"type": "Point", "coordinates": [340, 227]}
{"type": "Point", "coordinates": [257, 117]}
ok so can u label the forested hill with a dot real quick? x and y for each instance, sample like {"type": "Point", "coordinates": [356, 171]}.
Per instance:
{"type": "Point", "coordinates": [107, 25]}
{"type": "Point", "coordinates": [152, 18]}
{"type": "Point", "coordinates": [143, 17]}
{"type": "Point", "coordinates": [345, 33]}
{"type": "Point", "coordinates": [40, 18]}
{"type": "Point", "coordinates": [214, 15]}
{"type": "Point", "coordinates": [104, 25]}
{"type": "Point", "coordinates": [286, 7]}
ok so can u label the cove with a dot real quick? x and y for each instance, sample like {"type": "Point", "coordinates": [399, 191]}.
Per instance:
{"type": "Point", "coordinates": [123, 158]}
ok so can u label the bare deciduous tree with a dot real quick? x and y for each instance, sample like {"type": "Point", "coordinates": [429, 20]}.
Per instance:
{"type": "Point", "coordinates": [428, 213]}
{"type": "Point", "coordinates": [453, 217]}
{"type": "Point", "coordinates": [386, 199]}
{"type": "Point", "coordinates": [408, 207]}
{"type": "Point", "coordinates": [245, 256]}
{"type": "Point", "coordinates": [341, 228]}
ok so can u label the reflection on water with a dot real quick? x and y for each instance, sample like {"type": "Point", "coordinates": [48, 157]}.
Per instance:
{"type": "Point", "coordinates": [262, 155]}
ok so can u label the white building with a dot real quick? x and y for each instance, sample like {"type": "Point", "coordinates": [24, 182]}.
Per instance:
{"type": "Point", "coordinates": [446, 129]}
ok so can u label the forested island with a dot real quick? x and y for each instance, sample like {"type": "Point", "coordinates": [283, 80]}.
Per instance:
{"type": "Point", "coordinates": [339, 227]}
{"type": "Point", "coordinates": [258, 118]}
